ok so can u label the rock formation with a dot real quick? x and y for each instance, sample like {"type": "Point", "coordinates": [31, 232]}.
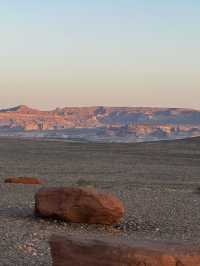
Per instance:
{"type": "Point", "coordinates": [73, 251]}
{"type": "Point", "coordinates": [97, 123]}
{"type": "Point", "coordinates": [24, 180]}
{"type": "Point", "coordinates": [78, 205]}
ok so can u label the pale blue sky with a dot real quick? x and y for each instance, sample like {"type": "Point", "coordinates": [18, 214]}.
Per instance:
{"type": "Point", "coordinates": [125, 52]}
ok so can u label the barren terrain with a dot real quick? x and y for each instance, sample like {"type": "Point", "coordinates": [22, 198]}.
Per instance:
{"type": "Point", "coordinates": [158, 183]}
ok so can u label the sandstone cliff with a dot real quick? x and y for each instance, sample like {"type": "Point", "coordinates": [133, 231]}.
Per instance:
{"type": "Point", "coordinates": [109, 123]}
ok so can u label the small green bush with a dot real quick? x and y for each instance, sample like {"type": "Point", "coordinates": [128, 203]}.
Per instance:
{"type": "Point", "coordinates": [86, 183]}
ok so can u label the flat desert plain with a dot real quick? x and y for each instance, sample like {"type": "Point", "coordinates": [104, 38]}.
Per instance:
{"type": "Point", "coordinates": [159, 184]}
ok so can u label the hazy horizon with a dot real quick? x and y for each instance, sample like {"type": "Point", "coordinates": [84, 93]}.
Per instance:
{"type": "Point", "coordinates": [91, 106]}
{"type": "Point", "coordinates": [84, 53]}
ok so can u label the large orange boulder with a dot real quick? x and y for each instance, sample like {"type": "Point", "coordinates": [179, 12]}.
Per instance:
{"type": "Point", "coordinates": [79, 205]}
{"type": "Point", "coordinates": [68, 251]}
{"type": "Point", "coordinates": [24, 180]}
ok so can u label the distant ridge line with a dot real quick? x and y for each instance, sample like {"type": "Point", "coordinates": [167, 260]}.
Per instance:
{"type": "Point", "coordinates": [100, 123]}
{"type": "Point", "coordinates": [26, 107]}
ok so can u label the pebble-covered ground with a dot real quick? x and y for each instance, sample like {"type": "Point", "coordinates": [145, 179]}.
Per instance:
{"type": "Point", "coordinates": [159, 184]}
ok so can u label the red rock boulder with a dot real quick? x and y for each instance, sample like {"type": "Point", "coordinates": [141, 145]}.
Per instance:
{"type": "Point", "coordinates": [24, 180]}
{"type": "Point", "coordinates": [79, 205]}
{"type": "Point", "coordinates": [68, 251]}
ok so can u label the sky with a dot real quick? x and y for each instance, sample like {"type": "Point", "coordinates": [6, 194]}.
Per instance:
{"type": "Point", "coordinates": [113, 53]}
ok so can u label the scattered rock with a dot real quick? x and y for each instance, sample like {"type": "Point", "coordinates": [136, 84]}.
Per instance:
{"type": "Point", "coordinates": [81, 252]}
{"type": "Point", "coordinates": [79, 205]}
{"type": "Point", "coordinates": [24, 180]}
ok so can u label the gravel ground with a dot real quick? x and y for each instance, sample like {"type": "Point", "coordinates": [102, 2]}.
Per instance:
{"type": "Point", "coordinates": [158, 183]}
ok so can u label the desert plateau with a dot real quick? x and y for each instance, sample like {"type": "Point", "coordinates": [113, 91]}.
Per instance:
{"type": "Point", "coordinates": [99, 133]}
{"type": "Point", "coordinates": [100, 124]}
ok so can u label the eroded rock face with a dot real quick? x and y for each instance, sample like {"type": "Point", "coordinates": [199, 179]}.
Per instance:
{"type": "Point", "coordinates": [68, 251]}
{"type": "Point", "coordinates": [121, 123]}
{"type": "Point", "coordinates": [24, 180]}
{"type": "Point", "coordinates": [78, 205]}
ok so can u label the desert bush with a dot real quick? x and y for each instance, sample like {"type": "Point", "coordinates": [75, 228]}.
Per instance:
{"type": "Point", "coordinates": [86, 183]}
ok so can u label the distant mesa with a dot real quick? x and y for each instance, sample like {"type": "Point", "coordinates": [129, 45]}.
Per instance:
{"type": "Point", "coordinates": [20, 109]}
{"type": "Point", "coordinates": [123, 124]}
{"type": "Point", "coordinates": [24, 180]}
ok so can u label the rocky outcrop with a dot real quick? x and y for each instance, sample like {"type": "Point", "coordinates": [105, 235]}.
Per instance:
{"type": "Point", "coordinates": [24, 180]}
{"type": "Point", "coordinates": [71, 251]}
{"type": "Point", "coordinates": [109, 122]}
{"type": "Point", "coordinates": [78, 205]}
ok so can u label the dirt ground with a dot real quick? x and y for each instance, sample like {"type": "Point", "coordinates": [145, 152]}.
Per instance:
{"type": "Point", "coordinates": [158, 182]}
